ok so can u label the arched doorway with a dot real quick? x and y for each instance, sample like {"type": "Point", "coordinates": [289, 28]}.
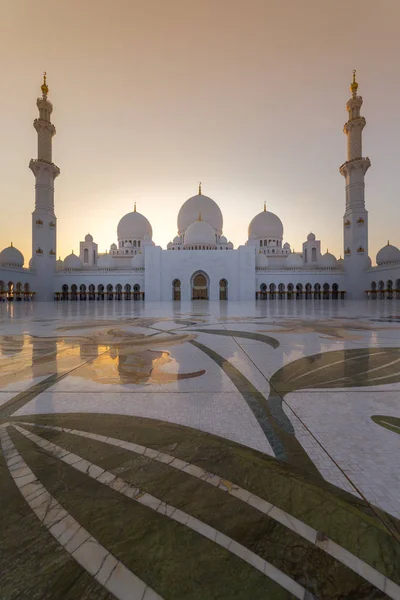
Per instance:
{"type": "Point", "coordinates": [176, 289]}
{"type": "Point", "coordinates": [199, 287]}
{"type": "Point", "coordinates": [223, 289]}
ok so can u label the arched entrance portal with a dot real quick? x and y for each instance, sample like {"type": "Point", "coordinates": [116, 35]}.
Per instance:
{"type": "Point", "coordinates": [176, 289]}
{"type": "Point", "coordinates": [199, 287]}
{"type": "Point", "coordinates": [223, 289]}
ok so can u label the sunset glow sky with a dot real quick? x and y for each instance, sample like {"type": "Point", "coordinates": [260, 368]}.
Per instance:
{"type": "Point", "coordinates": [152, 96]}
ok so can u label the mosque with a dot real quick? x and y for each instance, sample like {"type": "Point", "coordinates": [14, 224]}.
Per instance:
{"type": "Point", "coordinates": [199, 262]}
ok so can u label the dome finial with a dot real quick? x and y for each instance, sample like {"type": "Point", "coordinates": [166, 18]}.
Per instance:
{"type": "Point", "coordinates": [44, 87]}
{"type": "Point", "coordinates": [387, 243]}
{"type": "Point", "coordinates": [354, 85]}
{"type": "Point", "coordinates": [265, 206]}
{"type": "Point", "coordinates": [12, 245]}
{"type": "Point", "coordinates": [200, 189]}
{"type": "Point", "coordinates": [134, 207]}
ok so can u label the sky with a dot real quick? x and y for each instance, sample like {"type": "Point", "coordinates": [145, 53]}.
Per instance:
{"type": "Point", "coordinates": [152, 96]}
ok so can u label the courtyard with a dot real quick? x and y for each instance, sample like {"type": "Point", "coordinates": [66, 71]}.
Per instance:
{"type": "Point", "coordinates": [200, 450]}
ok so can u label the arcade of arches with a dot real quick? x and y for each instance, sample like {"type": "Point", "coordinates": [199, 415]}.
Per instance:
{"type": "Point", "coordinates": [382, 290]}
{"type": "Point", "coordinates": [15, 291]}
{"type": "Point", "coordinates": [298, 291]}
{"type": "Point", "coordinates": [102, 292]}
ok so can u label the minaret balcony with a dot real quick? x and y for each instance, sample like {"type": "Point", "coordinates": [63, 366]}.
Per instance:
{"type": "Point", "coordinates": [35, 164]}
{"type": "Point", "coordinates": [355, 163]}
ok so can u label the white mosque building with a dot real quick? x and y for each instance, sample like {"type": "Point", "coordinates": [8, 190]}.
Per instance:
{"type": "Point", "coordinates": [199, 262]}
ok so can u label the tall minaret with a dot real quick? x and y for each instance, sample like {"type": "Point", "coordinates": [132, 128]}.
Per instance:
{"type": "Point", "coordinates": [44, 223]}
{"type": "Point", "coordinates": [355, 220]}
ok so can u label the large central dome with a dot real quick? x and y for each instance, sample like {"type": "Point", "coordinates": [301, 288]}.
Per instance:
{"type": "Point", "coordinates": [134, 226]}
{"type": "Point", "coordinates": [206, 207]}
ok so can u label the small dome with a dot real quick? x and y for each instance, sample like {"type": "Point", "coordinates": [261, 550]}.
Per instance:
{"type": "Point", "coordinates": [311, 237]}
{"type": "Point", "coordinates": [128, 245]}
{"type": "Point", "coordinates": [138, 261]}
{"type": "Point", "coordinates": [293, 261]}
{"type": "Point", "coordinates": [72, 261]}
{"type": "Point", "coordinates": [59, 264]}
{"type": "Point", "coordinates": [11, 257]}
{"type": "Point", "coordinates": [340, 262]}
{"type": "Point", "coordinates": [105, 261]}
{"type": "Point", "coordinates": [88, 238]}
{"type": "Point", "coordinates": [200, 232]}
{"type": "Point", "coordinates": [369, 262]}
{"type": "Point", "coordinates": [261, 261]}
{"type": "Point", "coordinates": [177, 240]}
{"type": "Point", "coordinates": [31, 263]}
{"type": "Point", "coordinates": [286, 246]}
{"type": "Point", "coordinates": [265, 225]}
{"type": "Point", "coordinates": [113, 247]}
{"type": "Point", "coordinates": [223, 240]}
{"type": "Point", "coordinates": [133, 226]}
{"type": "Point", "coordinates": [209, 210]}
{"type": "Point", "coordinates": [387, 254]}
{"type": "Point", "coordinates": [328, 261]}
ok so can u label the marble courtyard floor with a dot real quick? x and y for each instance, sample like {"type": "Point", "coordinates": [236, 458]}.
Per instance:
{"type": "Point", "coordinates": [200, 451]}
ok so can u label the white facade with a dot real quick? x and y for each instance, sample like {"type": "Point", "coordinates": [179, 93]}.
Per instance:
{"type": "Point", "coordinates": [199, 262]}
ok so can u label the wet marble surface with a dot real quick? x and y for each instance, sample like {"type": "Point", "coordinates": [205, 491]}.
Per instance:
{"type": "Point", "coordinates": [304, 392]}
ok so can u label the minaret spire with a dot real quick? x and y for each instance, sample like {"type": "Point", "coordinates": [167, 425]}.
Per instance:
{"type": "Point", "coordinates": [44, 87]}
{"type": "Point", "coordinates": [353, 170]}
{"type": "Point", "coordinates": [354, 85]}
{"type": "Point", "coordinates": [44, 223]}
